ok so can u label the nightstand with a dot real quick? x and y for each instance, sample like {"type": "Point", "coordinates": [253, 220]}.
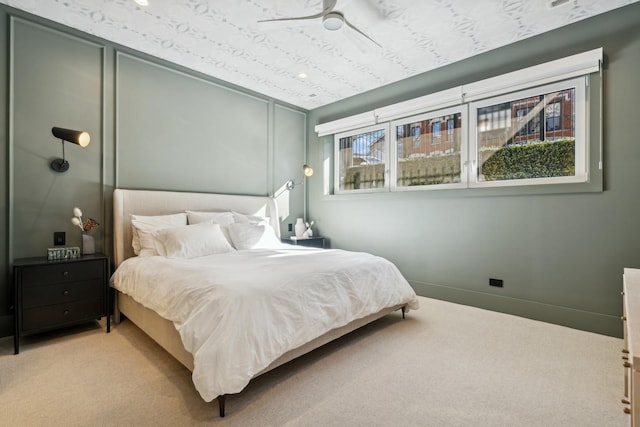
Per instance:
{"type": "Point", "coordinates": [314, 242]}
{"type": "Point", "coordinates": [54, 294]}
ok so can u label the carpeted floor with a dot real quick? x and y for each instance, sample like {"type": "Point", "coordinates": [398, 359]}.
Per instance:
{"type": "Point", "coordinates": [445, 365]}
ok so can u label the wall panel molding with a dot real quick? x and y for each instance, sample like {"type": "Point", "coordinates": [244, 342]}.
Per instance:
{"type": "Point", "coordinates": [33, 127]}
{"type": "Point", "coordinates": [182, 121]}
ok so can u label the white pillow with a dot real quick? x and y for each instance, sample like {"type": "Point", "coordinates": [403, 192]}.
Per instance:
{"type": "Point", "coordinates": [143, 226]}
{"type": "Point", "coordinates": [222, 218]}
{"type": "Point", "coordinates": [191, 241]}
{"type": "Point", "coordinates": [253, 236]}
{"type": "Point", "coordinates": [250, 219]}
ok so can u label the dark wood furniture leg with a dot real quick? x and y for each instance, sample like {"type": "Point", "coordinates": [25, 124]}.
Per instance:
{"type": "Point", "coordinates": [221, 402]}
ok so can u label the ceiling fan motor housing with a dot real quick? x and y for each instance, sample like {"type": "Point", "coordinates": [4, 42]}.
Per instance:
{"type": "Point", "coordinates": [333, 21]}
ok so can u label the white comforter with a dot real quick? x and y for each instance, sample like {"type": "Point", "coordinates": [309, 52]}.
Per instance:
{"type": "Point", "coordinates": [237, 312]}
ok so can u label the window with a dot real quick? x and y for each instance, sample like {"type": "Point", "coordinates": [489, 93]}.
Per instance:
{"type": "Point", "coordinates": [553, 117]}
{"type": "Point", "coordinates": [450, 129]}
{"type": "Point", "coordinates": [417, 135]}
{"type": "Point", "coordinates": [546, 144]}
{"type": "Point", "coordinates": [435, 131]}
{"type": "Point", "coordinates": [437, 162]}
{"type": "Point", "coordinates": [361, 160]}
{"type": "Point", "coordinates": [528, 124]}
{"type": "Point", "coordinates": [526, 127]}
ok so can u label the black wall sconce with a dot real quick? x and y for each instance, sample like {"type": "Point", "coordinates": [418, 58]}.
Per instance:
{"type": "Point", "coordinates": [306, 171]}
{"type": "Point", "coordinates": [78, 137]}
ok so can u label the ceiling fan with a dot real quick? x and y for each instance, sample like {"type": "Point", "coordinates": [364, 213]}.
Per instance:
{"type": "Point", "coordinates": [332, 20]}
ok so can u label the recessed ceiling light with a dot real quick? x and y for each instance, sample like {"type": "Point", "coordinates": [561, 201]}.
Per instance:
{"type": "Point", "coordinates": [142, 2]}
{"type": "Point", "coordinates": [302, 75]}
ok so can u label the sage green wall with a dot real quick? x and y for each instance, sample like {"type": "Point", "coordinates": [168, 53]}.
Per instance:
{"type": "Point", "coordinates": [561, 256]}
{"type": "Point", "coordinates": [153, 125]}
{"type": "Point", "coordinates": [214, 131]}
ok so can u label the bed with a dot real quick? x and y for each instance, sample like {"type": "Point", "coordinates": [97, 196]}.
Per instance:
{"type": "Point", "coordinates": [229, 315]}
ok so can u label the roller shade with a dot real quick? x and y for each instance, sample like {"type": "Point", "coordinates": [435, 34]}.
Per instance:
{"type": "Point", "coordinates": [434, 101]}
{"type": "Point", "coordinates": [549, 72]}
{"type": "Point", "coordinates": [348, 123]}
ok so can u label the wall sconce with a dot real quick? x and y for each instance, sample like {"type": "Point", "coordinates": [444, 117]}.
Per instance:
{"type": "Point", "coordinates": [78, 137]}
{"type": "Point", "coordinates": [306, 172]}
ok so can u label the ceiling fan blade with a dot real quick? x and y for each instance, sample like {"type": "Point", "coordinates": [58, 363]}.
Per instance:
{"type": "Point", "coordinates": [327, 7]}
{"type": "Point", "coordinates": [361, 33]}
{"type": "Point", "coordinates": [357, 41]}
{"type": "Point", "coordinates": [376, 11]}
{"type": "Point", "coordinates": [297, 18]}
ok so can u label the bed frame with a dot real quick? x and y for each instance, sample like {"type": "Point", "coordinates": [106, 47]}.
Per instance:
{"type": "Point", "coordinates": [161, 330]}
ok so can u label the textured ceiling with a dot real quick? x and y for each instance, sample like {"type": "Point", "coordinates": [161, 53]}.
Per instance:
{"type": "Point", "coordinates": [222, 38]}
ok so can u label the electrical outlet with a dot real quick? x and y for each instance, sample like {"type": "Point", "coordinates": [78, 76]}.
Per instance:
{"type": "Point", "coordinates": [59, 238]}
{"type": "Point", "coordinates": [495, 282]}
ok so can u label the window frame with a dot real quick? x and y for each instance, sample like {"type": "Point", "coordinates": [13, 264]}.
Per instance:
{"type": "Point", "coordinates": [393, 150]}
{"type": "Point", "coordinates": [336, 154]}
{"type": "Point", "coordinates": [581, 135]}
{"type": "Point", "coordinates": [588, 131]}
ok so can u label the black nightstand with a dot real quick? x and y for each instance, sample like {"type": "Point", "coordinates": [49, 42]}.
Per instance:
{"type": "Point", "coordinates": [54, 294]}
{"type": "Point", "coordinates": [314, 242]}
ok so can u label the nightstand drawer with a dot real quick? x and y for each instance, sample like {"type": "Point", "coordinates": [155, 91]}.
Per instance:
{"type": "Point", "coordinates": [61, 273]}
{"type": "Point", "coordinates": [61, 293]}
{"type": "Point", "coordinates": [60, 314]}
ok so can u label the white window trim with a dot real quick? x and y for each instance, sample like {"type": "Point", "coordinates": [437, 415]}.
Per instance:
{"type": "Point", "coordinates": [336, 156]}
{"type": "Point", "coordinates": [581, 135]}
{"type": "Point", "coordinates": [393, 161]}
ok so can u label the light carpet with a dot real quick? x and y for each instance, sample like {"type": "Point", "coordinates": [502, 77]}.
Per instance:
{"type": "Point", "coordinates": [444, 365]}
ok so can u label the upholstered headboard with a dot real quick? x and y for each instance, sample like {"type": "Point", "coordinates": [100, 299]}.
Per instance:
{"type": "Point", "coordinates": [149, 202]}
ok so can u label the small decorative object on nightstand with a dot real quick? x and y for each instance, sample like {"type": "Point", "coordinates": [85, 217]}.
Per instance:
{"type": "Point", "coordinates": [308, 232]}
{"type": "Point", "coordinates": [299, 227]}
{"type": "Point", "coordinates": [88, 242]}
{"type": "Point", "coordinates": [54, 294]}
{"type": "Point", "coordinates": [314, 242]}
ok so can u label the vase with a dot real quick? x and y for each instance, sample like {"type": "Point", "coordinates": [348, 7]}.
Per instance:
{"type": "Point", "coordinates": [300, 228]}
{"type": "Point", "coordinates": [88, 244]}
